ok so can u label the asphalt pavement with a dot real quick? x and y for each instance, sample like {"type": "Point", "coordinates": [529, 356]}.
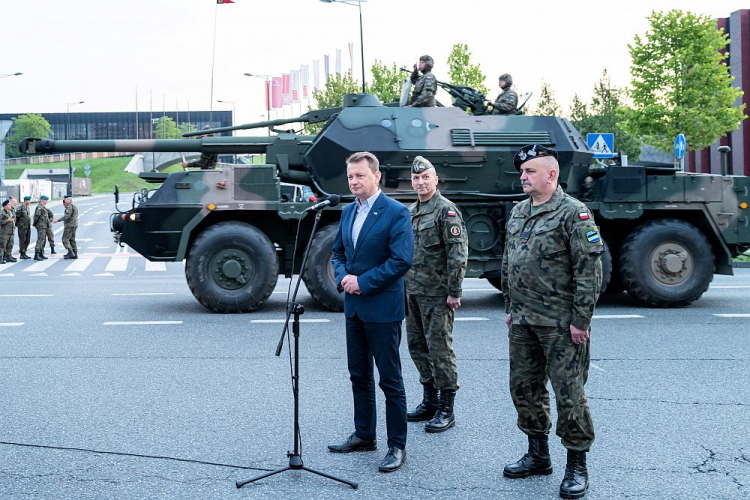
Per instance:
{"type": "Point", "coordinates": [116, 383]}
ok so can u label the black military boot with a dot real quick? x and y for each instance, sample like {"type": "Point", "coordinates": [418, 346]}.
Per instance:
{"type": "Point", "coordinates": [23, 256]}
{"type": "Point", "coordinates": [69, 255]}
{"type": "Point", "coordinates": [37, 256]}
{"type": "Point", "coordinates": [427, 408]}
{"type": "Point", "coordinates": [10, 258]}
{"type": "Point", "coordinates": [444, 419]}
{"type": "Point", "coordinates": [535, 462]}
{"type": "Point", "coordinates": [52, 251]}
{"type": "Point", "coordinates": [576, 479]}
{"type": "Point", "coordinates": [43, 257]}
{"type": "Point", "coordinates": [75, 254]}
{"type": "Point", "coordinates": [2, 260]}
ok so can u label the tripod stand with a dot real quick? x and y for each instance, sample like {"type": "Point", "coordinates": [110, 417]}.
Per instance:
{"type": "Point", "coordinates": [296, 309]}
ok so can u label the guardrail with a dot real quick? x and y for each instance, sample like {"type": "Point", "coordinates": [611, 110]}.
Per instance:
{"type": "Point", "coordinates": [36, 160]}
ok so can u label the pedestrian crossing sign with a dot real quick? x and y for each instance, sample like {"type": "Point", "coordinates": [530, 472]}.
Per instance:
{"type": "Point", "coordinates": [602, 145]}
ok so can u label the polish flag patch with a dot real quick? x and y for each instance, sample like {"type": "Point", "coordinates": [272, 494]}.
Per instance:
{"type": "Point", "coordinates": [583, 215]}
{"type": "Point", "coordinates": [451, 213]}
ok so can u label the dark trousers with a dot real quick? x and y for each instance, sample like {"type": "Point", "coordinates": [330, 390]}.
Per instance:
{"type": "Point", "coordinates": [366, 342]}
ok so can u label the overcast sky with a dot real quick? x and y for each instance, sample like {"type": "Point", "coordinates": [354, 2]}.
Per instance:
{"type": "Point", "coordinates": [101, 51]}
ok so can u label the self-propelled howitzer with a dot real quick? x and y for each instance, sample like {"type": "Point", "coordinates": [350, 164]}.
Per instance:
{"type": "Point", "coordinates": [667, 232]}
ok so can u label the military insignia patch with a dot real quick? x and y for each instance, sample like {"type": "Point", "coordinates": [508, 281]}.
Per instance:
{"type": "Point", "coordinates": [455, 230]}
{"type": "Point", "coordinates": [583, 215]}
{"type": "Point", "coordinates": [451, 213]}
{"type": "Point", "coordinates": [592, 236]}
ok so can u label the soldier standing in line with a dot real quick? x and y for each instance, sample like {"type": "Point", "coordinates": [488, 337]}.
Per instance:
{"type": "Point", "coordinates": [23, 223]}
{"type": "Point", "coordinates": [207, 161]}
{"type": "Point", "coordinates": [41, 223]}
{"type": "Point", "coordinates": [425, 86]}
{"type": "Point", "coordinates": [7, 224]}
{"type": "Point", "coordinates": [507, 102]}
{"type": "Point", "coordinates": [551, 276]}
{"type": "Point", "coordinates": [433, 289]}
{"type": "Point", "coordinates": [50, 234]}
{"type": "Point", "coordinates": [70, 221]}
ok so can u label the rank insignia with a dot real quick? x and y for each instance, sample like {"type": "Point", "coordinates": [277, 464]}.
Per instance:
{"type": "Point", "coordinates": [583, 215]}
{"type": "Point", "coordinates": [455, 230]}
{"type": "Point", "coordinates": [592, 236]}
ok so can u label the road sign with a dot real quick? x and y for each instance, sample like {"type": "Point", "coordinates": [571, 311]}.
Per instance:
{"type": "Point", "coordinates": [603, 145]}
{"type": "Point", "coordinates": [680, 145]}
{"type": "Point", "coordinates": [87, 169]}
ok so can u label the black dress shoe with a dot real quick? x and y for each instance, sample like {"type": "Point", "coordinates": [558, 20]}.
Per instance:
{"type": "Point", "coordinates": [354, 443]}
{"type": "Point", "coordinates": [393, 460]}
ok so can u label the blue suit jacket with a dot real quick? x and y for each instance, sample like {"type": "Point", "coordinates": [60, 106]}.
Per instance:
{"type": "Point", "coordinates": [384, 253]}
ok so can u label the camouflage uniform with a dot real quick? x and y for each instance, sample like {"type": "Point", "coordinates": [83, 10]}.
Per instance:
{"type": "Point", "coordinates": [23, 223]}
{"type": "Point", "coordinates": [41, 223]}
{"type": "Point", "coordinates": [207, 161]}
{"type": "Point", "coordinates": [7, 225]}
{"type": "Point", "coordinates": [70, 219]}
{"type": "Point", "coordinates": [440, 254]}
{"type": "Point", "coordinates": [425, 87]}
{"type": "Point", "coordinates": [552, 275]}
{"type": "Point", "coordinates": [506, 103]}
{"type": "Point", "coordinates": [50, 233]}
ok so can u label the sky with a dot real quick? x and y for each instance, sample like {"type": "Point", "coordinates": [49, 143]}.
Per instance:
{"type": "Point", "coordinates": [115, 55]}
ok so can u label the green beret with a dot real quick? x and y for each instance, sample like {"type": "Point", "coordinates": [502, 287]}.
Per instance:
{"type": "Point", "coordinates": [420, 165]}
{"type": "Point", "coordinates": [27, 198]}
{"type": "Point", "coordinates": [5, 203]}
{"type": "Point", "coordinates": [67, 196]}
{"type": "Point", "coordinates": [44, 197]}
{"type": "Point", "coordinates": [531, 152]}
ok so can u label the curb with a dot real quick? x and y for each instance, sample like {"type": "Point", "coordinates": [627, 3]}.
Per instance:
{"type": "Point", "coordinates": [740, 263]}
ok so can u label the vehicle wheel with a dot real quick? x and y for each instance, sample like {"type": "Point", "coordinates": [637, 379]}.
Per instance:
{"type": "Point", "coordinates": [319, 277]}
{"type": "Point", "coordinates": [666, 263]}
{"type": "Point", "coordinates": [232, 267]}
{"type": "Point", "coordinates": [606, 268]}
{"type": "Point", "coordinates": [497, 282]}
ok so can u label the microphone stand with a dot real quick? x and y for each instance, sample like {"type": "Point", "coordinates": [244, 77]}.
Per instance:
{"type": "Point", "coordinates": [296, 309]}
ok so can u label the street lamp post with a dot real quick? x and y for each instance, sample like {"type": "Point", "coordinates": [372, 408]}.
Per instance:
{"type": "Point", "coordinates": [11, 74]}
{"type": "Point", "coordinates": [361, 36]}
{"type": "Point", "coordinates": [268, 96]}
{"type": "Point", "coordinates": [233, 111]}
{"type": "Point", "coordinates": [67, 136]}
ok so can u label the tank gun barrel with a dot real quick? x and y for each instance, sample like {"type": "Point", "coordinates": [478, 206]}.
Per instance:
{"type": "Point", "coordinates": [218, 145]}
{"type": "Point", "coordinates": [316, 116]}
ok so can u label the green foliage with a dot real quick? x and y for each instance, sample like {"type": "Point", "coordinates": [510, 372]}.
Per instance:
{"type": "Point", "coordinates": [386, 82]}
{"type": "Point", "coordinates": [332, 96]}
{"type": "Point", "coordinates": [681, 83]}
{"type": "Point", "coordinates": [166, 128]}
{"type": "Point", "coordinates": [187, 127]}
{"type": "Point", "coordinates": [605, 115]}
{"type": "Point", "coordinates": [461, 72]}
{"type": "Point", "coordinates": [546, 105]}
{"type": "Point", "coordinates": [29, 125]}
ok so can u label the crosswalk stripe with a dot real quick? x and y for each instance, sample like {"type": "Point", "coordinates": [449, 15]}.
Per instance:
{"type": "Point", "coordinates": [5, 267]}
{"type": "Point", "coordinates": [11, 324]}
{"type": "Point", "coordinates": [270, 321]}
{"type": "Point", "coordinates": [117, 264]}
{"type": "Point", "coordinates": [79, 265]}
{"type": "Point", "coordinates": [123, 323]}
{"type": "Point", "coordinates": [732, 315]}
{"type": "Point", "coordinates": [40, 266]}
{"type": "Point", "coordinates": [617, 316]}
{"type": "Point", "coordinates": [155, 266]}
{"type": "Point", "coordinates": [470, 318]}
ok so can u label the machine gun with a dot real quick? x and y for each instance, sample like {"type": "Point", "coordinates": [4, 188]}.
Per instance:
{"type": "Point", "coordinates": [463, 97]}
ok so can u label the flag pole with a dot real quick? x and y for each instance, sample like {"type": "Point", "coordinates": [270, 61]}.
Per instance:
{"type": "Point", "coordinates": [213, 63]}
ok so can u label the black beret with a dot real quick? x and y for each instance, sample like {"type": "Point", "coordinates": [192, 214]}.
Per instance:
{"type": "Point", "coordinates": [67, 196]}
{"type": "Point", "coordinates": [531, 152]}
{"type": "Point", "coordinates": [6, 202]}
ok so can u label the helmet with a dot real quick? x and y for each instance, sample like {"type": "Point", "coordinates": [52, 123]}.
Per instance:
{"type": "Point", "coordinates": [428, 62]}
{"type": "Point", "coordinates": [508, 80]}
{"type": "Point", "coordinates": [207, 127]}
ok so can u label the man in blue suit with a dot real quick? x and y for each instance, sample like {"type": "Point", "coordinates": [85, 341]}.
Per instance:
{"type": "Point", "coordinates": [372, 252]}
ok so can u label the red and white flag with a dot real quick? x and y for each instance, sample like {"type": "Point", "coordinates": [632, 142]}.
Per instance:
{"type": "Point", "coordinates": [286, 97]}
{"type": "Point", "coordinates": [276, 92]}
{"type": "Point", "coordinates": [294, 85]}
{"type": "Point", "coordinates": [304, 82]}
{"type": "Point", "coordinates": [220, 2]}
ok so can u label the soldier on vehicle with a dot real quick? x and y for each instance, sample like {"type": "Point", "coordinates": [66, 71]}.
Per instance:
{"type": "Point", "coordinates": [507, 102]}
{"type": "Point", "coordinates": [7, 224]}
{"type": "Point", "coordinates": [70, 221]}
{"type": "Point", "coordinates": [551, 278]}
{"type": "Point", "coordinates": [433, 289]}
{"type": "Point", "coordinates": [425, 86]}
{"type": "Point", "coordinates": [207, 161]}
{"type": "Point", "coordinates": [41, 223]}
{"type": "Point", "coordinates": [23, 223]}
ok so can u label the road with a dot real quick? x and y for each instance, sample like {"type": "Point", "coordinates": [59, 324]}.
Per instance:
{"type": "Point", "coordinates": [116, 383]}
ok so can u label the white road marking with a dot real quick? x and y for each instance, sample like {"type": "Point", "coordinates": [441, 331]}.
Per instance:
{"type": "Point", "coordinates": [268, 321]}
{"type": "Point", "coordinates": [104, 274]}
{"type": "Point", "coordinates": [730, 286]}
{"type": "Point", "coordinates": [732, 315]}
{"type": "Point", "coordinates": [40, 266]}
{"type": "Point", "coordinates": [7, 266]}
{"type": "Point", "coordinates": [140, 294]}
{"type": "Point", "coordinates": [92, 222]}
{"type": "Point", "coordinates": [70, 274]}
{"type": "Point", "coordinates": [58, 231]}
{"type": "Point", "coordinates": [7, 274]}
{"type": "Point", "coordinates": [117, 264]}
{"type": "Point", "coordinates": [11, 324]}
{"type": "Point", "coordinates": [122, 323]}
{"type": "Point", "coordinates": [97, 248]}
{"type": "Point", "coordinates": [618, 316]}
{"type": "Point", "coordinates": [471, 318]}
{"type": "Point", "coordinates": [493, 289]}
{"type": "Point", "coordinates": [29, 295]}
{"type": "Point", "coordinates": [40, 274]}
{"type": "Point", "coordinates": [593, 365]}
{"type": "Point", "coordinates": [155, 266]}
{"type": "Point", "coordinates": [79, 265]}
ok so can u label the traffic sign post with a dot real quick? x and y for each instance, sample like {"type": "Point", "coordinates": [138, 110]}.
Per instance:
{"type": "Point", "coordinates": [680, 146]}
{"type": "Point", "coordinates": [87, 169]}
{"type": "Point", "coordinates": [603, 145]}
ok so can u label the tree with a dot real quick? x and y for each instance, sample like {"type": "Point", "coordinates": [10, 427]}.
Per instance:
{"type": "Point", "coordinates": [605, 114]}
{"type": "Point", "coordinates": [386, 82]}
{"type": "Point", "coordinates": [681, 83]}
{"type": "Point", "coordinates": [332, 96]}
{"type": "Point", "coordinates": [461, 72]}
{"type": "Point", "coordinates": [165, 128]}
{"type": "Point", "coordinates": [29, 125]}
{"type": "Point", "coordinates": [546, 105]}
{"type": "Point", "coordinates": [187, 127]}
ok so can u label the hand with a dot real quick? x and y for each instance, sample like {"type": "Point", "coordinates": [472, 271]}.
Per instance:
{"type": "Point", "coordinates": [55, 220]}
{"type": "Point", "coordinates": [350, 284]}
{"type": "Point", "coordinates": [184, 165]}
{"type": "Point", "coordinates": [507, 320]}
{"type": "Point", "coordinates": [454, 302]}
{"type": "Point", "coordinates": [578, 336]}
{"type": "Point", "coordinates": [415, 67]}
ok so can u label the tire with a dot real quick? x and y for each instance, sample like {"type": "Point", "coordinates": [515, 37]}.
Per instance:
{"type": "Point", "coordinates": [497, 282]}
{"type": "Point", "coordinates": [319, 278]}
{"type": "Point", "coordinates": [666, 263]}
{"type": "Point", "coordinates": [232, 267]}
{"type": "Point", "coordinates": [606, 268]}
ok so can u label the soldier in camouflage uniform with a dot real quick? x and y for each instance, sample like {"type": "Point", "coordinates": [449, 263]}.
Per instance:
{"type": "Point", "coordinates": [50, 233]}
{"type": "Point", "coordinates": [551, 278]}
{"type": "Point", "coordinates": [207, 161]}
{"type": "Point", "coordinates": [433, 289]}
{"type": "Point", "coordinates": [41, 223]}
{"type": "Point", "coordinates": [23, 223]}
{"type": "Point", "coordinates": [7, 225]}
{"type": "Point", "coordinates": [70, 221]}
{"type": "Point", "coordinates": [425, 86]}
{"type": "Point", "coordinates": [507, 102]}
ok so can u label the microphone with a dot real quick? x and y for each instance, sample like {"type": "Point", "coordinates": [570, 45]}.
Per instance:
{"type": "Point", "coordinates": [332, 201]}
